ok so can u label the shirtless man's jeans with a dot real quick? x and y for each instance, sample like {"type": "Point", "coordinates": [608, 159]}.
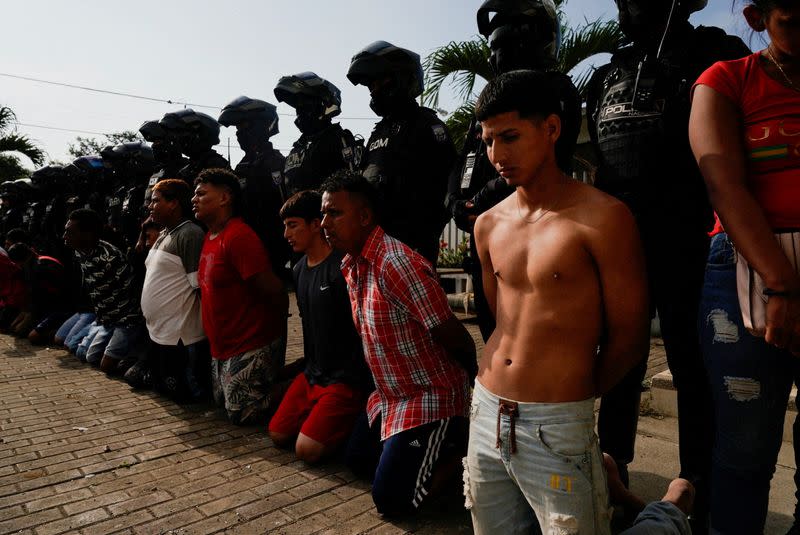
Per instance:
{"type": "Point", "coordinates": [548, 466]}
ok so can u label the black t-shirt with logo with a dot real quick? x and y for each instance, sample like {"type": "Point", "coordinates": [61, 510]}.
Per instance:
{"type": "Point", "coordinates": [331, 344]}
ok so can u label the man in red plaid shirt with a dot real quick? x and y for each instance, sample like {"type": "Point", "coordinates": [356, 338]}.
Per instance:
{"type": "Point", "coordinates": [413, 434]}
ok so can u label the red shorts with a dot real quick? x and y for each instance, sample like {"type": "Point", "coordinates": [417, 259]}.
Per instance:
{"type": "Point", "coordinates": [326, 414]}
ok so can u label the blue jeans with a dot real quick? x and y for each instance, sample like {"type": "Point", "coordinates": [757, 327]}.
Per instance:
{"type": "Point", "coordinates": [94, 343]}
{"type": "Point", "coordinates": [74, 329]}
{"type": "Point", "coordinates": [534, 463]}
{"type": "Point", "coordinates": [123, 340]}
{"type": "Point", "coordinates": [662, 518]}
{"type": "Point", "coordinates": [750, 384]}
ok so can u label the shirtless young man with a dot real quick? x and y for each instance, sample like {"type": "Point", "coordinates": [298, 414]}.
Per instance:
{"type": "Point", "coordinates": [563, 274]}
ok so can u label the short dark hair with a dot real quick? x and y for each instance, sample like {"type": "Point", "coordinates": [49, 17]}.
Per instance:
{"type": "Point", "coordinates": [87, 220]}
{"type": "Point", "coordinates": [149, 224]}
{"type": "Point", "coordinates": [175, 189]}
{"type": "Point", "coordinates": [355, 184]}
{"type": "Point", "coordinates": [532, 94]}
{"type": "Point", "coordinates": [217, 176]}
{"type": "Point", "coordinates": [304, 204]}
{"type": "Point", "coordinates": [18, 235]}
{"type": "Point", "coordinates": [20, 252]}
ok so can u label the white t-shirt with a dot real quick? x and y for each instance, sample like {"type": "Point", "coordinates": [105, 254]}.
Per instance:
{"type": "Point", "coordinates": [170, 296]}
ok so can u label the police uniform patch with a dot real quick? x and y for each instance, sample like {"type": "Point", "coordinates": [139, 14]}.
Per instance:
{"type": "Point", "coordinates": [469, 165]}
{"type": "Point", "coordinates": [439, 133]}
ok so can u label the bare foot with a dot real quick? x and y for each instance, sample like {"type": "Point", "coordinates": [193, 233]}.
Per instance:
{"type": "Point", "coordinates": [681, 494]}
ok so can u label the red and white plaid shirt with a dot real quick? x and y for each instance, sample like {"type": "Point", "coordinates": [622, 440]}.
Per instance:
{"type": "Point", "coordinates": [396, 301]}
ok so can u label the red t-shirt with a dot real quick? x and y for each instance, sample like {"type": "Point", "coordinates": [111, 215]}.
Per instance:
{"type": "Point", "coordinates": [770, 114]}
{"type": "Point", "coordinates": [12, 285]}
{"type": "Point", "coordinates": [234, 319]}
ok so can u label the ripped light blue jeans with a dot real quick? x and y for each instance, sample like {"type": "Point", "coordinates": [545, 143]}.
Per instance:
{"type": "Point", "coordinates": [534, 463]}
{"type": "Point", "coordinates": [750, 384]}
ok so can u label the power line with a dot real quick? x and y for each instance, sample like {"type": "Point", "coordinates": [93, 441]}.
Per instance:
{"type": "Point", "coordinates": [106, 91]}
{"type": "Point", "coordinates": [29, 125]}
{"type": "Point", "coordinates": [73, 130]}
{"type": "Point", "coordinates": [141, 97]}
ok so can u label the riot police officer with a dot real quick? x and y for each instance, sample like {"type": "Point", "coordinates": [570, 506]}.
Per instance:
{"type": "Point", "coordinates": [86, 178]}
{"type": "Point", "coordinates": [11, 217]}
{"type": "Point", "coordinates": [323, 146]}
{"type": "Point", "coordinates": [638, 114]}
{"type": "Point", "coordinates": [260, 173]}
{"type": "Point", "coordinates": [409, 154]}
{"type": "Point", "coordinates": [522, 34]}
{"type": "Point", "coordinates": [167, 154]}
{"type": "Point", "coordinates": [46, 230]}
{"type": "Point", "coordinates": [131, 164]}
{"type": "Point", "coordinates": [30, 198]}
{"type": "Point", "coordinates": [166, 151]}
{"type": "Point", "coordinates": [196, 133]}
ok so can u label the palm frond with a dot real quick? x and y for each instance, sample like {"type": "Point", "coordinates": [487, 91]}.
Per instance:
{"type": "Point", "coordinates": [459, 121]}
{"type": "Point", "coordinates": [11, 168]}
{"type": "Point", "coordinates": [22, 144]}
{"type": "Point", "coordinates": [7, 117]}
{"type": "Point", "coordinates": [583, 42]}
{"type": "Point", "coordinates": [463, 61]}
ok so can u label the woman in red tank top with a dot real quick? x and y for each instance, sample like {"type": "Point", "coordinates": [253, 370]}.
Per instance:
{"type": "Point", "coordinates": [745, 134]}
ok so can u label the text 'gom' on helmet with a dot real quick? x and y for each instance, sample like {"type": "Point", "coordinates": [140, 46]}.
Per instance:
{"type": "Point", "coordinates": [306, 88]}
{"type": "Point", "coordinates": [250, 110]}
{"type": "Point", "coordinates": [382, 59]}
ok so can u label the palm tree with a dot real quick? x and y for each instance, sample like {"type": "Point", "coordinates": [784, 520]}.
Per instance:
{"type": "Point", "coordinates": [10, 143]}
{"type": "Point", "coordinates": [465, 61]}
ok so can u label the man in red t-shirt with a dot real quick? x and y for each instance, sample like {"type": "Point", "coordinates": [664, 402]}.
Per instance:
{"type": "Point", "coordinates": [243, 304]}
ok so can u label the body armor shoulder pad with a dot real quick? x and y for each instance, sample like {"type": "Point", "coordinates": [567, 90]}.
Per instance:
{"type": "Point", "coordinates": [718, 44]}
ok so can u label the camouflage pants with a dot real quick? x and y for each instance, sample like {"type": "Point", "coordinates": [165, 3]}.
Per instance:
{"type": "Point", "coordinates": [243, 382]}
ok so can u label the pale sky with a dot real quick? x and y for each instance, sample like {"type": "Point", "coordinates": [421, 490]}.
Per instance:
{"type": "Point", "coordinates": [210, 52]}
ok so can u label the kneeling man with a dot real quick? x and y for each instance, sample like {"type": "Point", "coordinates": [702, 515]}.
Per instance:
{"type": "Point", "coordinates": [320, 408]}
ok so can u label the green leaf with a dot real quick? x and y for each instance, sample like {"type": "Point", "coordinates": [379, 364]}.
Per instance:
{"type": "Point", "coordinates": [462, 61]}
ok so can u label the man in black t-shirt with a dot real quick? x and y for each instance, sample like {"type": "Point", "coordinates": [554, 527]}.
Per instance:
{"type": "Point", "coordinates": [322, 403]}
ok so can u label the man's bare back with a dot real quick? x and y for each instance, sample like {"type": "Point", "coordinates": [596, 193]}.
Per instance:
{"type": "Point", "coordinates": [559, 286]}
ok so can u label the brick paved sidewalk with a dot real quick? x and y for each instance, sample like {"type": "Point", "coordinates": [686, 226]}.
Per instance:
{"type": "Point", "coordinates": [81, 453]}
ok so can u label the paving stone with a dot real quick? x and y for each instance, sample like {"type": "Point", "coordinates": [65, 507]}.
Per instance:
{"type": "Point", "coordinates": [72, 523]}
{"type": "Point", "coordinates": [147, 465]}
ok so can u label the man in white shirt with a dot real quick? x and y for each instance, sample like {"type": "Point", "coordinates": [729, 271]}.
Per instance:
{"type": "Point", "coordinates": [170, 296]}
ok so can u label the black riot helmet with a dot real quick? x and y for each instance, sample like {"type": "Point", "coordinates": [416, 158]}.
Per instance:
{"type": "Point", "coordinates": [255, 120]}
{"type": "Point", "coordinates": [50, 178]}
{"type": "Point", "coordinates": [131, 161]}
{"type": "Point", "coordinates": [195, 131]}
{"type": "Point", "coordinates": [25, 189]}
{"type": "Point", "coordinates": [9, 191]}
{"type": "Point", "coordinates": [393, 74]}
{"type": "Point", "coordinates": [163, 142]}
{"type": "Point", "coordinates": [522, 34]}
{"type": "Point", "coordinates": [86, 173]}
{"type": "Point", "coordinates": [250, 110]}
{"type": "Point", "coordinates": [315, 99]}
{"type": "Point", "coordinates": [643, 20]}
{"type": "Point", "coordinates": [152, 131]}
